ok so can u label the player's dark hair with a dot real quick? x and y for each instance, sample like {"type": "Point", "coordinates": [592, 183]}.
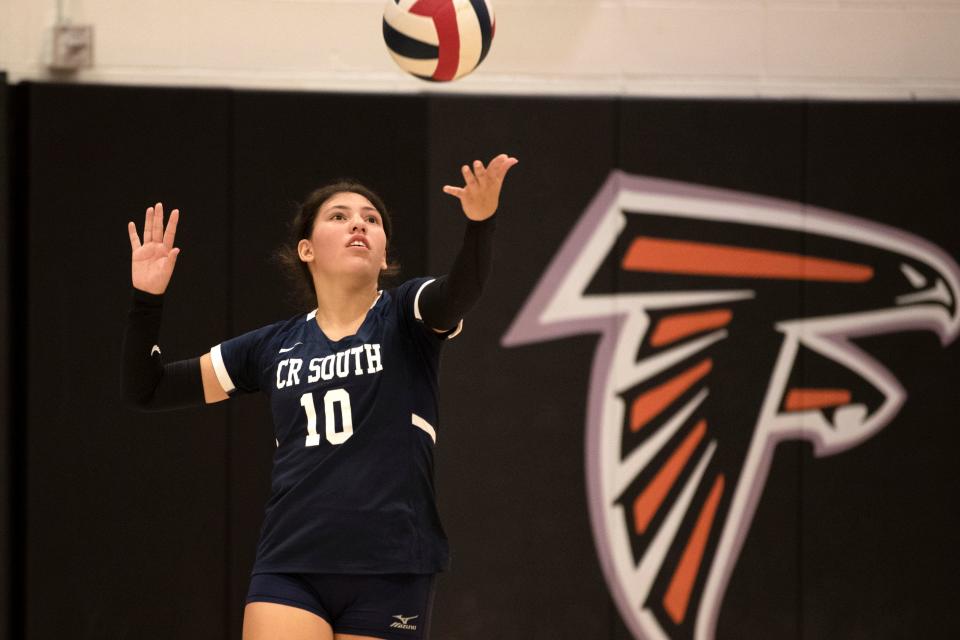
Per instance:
{"type": "Point", "coordinates": [301, 227]}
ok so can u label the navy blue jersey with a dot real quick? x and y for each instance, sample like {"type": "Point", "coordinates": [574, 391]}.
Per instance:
{"type": "Point", "coordinates": [355, 422]}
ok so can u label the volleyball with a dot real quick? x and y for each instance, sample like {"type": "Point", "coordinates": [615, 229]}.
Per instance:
{"type": "Point", "coordinates": [438, 40]}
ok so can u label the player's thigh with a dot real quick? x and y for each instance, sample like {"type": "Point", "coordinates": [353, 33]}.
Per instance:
{"type": "Point", "coordinates": [270, 621]}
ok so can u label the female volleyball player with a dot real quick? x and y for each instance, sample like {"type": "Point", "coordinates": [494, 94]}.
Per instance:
{"type": "Point", "coordinates": [351, 539]}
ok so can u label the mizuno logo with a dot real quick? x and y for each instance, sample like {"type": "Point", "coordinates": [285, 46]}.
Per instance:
{"type": "Point", "coordinates": [156, 349]}
{"type": "Point", "coordinates": [285, 349]}
{"type": "Point", "coordinates": [404, 623]}
{"type": "Point", "coordinates": [733, 324]}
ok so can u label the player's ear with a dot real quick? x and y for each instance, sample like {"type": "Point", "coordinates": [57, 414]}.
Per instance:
{"type": "Point", "coordinates": [305, 250]}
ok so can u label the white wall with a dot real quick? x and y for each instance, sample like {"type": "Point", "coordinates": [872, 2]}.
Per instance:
{"type": "Point", "coordinates": [821, 48]}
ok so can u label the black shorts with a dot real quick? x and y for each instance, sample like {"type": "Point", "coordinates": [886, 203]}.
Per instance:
{"type": "Point", "coordinates": [396, 607]}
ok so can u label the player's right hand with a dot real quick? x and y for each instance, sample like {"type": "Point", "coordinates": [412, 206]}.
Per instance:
{"type": "Point", "coordinates": [154, 259]}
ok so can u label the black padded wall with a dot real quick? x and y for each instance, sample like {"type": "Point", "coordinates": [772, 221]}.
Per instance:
{"type": "Point", "coordinates": [511, 457]}
{"type": "Point", "coordinates": [510, 442]}
{"type": "Point", "coordinates": [125, 512]}
{"type": "Point", "coordinates": [145, 525]}
{"type": "Point", "coordinates": [6, 276]}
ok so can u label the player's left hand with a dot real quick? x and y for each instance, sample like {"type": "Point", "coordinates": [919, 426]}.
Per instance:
{"type": "Point", "coordinates": [480, 194]}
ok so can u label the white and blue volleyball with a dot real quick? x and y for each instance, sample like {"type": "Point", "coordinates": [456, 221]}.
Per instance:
{"type": "Point", "coordinates": [439, 40]}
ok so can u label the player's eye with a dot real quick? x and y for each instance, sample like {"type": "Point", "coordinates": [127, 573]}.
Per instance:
{"type": "Point", "coordinates": [338, 216]}
{"type": "Point", "coordinates": [372, 220]}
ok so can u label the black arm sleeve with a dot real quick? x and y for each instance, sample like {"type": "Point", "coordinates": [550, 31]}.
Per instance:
{"type": "Point", "coordinates": [148, 383]}
{"type": "Point", "coordinates": [447, 299]}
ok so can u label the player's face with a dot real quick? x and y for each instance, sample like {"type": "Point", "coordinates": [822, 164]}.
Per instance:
{"type": "Point", "coordinates": [347, 237]}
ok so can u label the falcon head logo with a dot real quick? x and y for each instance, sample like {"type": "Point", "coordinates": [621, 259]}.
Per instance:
{"type": "Point", "coordinates": [729, 323]}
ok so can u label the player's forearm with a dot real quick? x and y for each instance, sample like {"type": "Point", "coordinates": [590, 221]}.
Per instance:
{"type": "Point", "coordinates": [445, 301]}
{"type": "Point", "coordinates": [148, 383]}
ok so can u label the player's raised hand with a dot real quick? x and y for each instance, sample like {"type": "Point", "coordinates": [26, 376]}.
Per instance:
{"type": "Point", "coordinates": [480, 194]}
{"type": "Point", "coordinates": [154, 259]}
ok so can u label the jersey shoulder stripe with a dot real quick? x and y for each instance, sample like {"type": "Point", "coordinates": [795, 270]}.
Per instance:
{"type": "Point", "coordinates": [221, 370]}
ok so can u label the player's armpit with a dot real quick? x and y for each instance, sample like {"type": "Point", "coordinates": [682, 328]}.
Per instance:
{"type": "Point", "coordinates": [212, 390]}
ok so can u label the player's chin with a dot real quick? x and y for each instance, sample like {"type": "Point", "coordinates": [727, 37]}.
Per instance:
{"type": "Point", "coordinates": [361, 266]}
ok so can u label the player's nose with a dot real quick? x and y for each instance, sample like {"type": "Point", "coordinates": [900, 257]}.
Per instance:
{"type": "Point", "coordinates": [358, 223]}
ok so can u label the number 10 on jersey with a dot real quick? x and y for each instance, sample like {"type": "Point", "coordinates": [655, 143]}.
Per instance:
{"type": "Point", "coordinates": [331, 400]}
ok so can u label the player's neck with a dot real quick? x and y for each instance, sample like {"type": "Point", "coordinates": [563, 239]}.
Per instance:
{"type": "Point", "coordinates": [342, 306]}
